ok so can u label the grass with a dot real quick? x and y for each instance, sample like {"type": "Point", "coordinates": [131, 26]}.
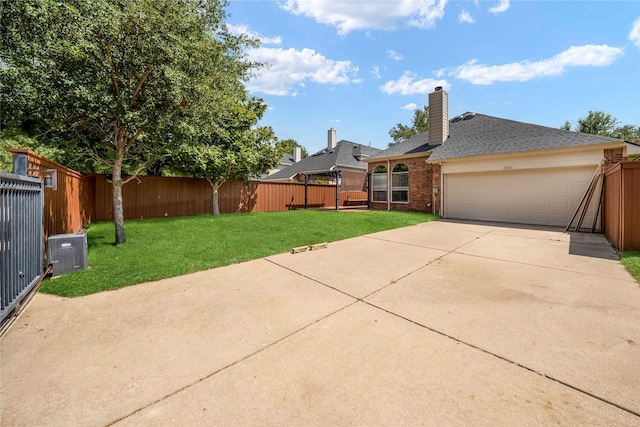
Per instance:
{"type": "Point", "coordinates": [167, 247]}
{"type": "Point", "coordinates": [631, 260]}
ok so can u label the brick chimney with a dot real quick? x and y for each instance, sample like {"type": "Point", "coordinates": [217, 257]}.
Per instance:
{"type": "Point", "coordinates": [332, 137]}
{"type": "Point", "coordinates": [438, 116]}
{"type": "Point", "coordinates": [297, 154]}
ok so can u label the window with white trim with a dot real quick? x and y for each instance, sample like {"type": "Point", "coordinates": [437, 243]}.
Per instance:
{"type": "Point", "coordinates": [400, 183]}
{"type": "Point", "coordinates": [379, 187]}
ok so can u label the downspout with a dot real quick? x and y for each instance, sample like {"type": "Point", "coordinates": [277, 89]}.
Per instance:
{"type": "Point", "coordinates": [388, 185]}
{"type": "Point", "coordinates": [369, 190]}
{"type": "Point", "coordinates": [306, 182]}
{"type": "Point", "coordinates": [441, 191]}
{"type": "Point", "coordinates": [337, 176]}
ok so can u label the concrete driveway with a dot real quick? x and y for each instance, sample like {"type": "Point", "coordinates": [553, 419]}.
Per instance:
{"type": "Point", "coordinates": [443, 323]}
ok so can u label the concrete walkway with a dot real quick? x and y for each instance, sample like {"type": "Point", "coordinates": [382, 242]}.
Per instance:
{"type": "Point", "coordinates": [442, 323]}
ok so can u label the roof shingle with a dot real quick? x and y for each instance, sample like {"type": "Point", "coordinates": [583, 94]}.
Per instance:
{"type": "Point", "coordinates": [343, 155]}
{"type": "Point", "coordinates": [480, 135]}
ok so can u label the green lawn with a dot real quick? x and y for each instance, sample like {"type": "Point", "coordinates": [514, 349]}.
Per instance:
{"type": "Point", "coordinates": [160, 248]}
{"type": "Point", "coordinates": [631, 260]}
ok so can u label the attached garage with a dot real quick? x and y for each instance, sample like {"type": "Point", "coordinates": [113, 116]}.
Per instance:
{"type": "Point", "coordinates": [485, 168]}
{"type": "Point", "coordinates": [539, 196]}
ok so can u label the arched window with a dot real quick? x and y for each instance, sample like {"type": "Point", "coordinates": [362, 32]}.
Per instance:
{"type": "Point", "coordinates": [379, 184]}
{"type": "Point", "coordinates": [400, 183]}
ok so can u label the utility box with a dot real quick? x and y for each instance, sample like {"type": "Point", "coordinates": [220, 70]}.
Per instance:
{"type": "Point", "coordinates": [67, 253]}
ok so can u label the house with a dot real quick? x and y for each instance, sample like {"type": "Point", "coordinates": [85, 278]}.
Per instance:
{"type": "Point", "coordinates": [479, 167]}
{"type": "Point", "coordinates": [287, 160]}
{"type": "Point", "coordinates": [342, 160]}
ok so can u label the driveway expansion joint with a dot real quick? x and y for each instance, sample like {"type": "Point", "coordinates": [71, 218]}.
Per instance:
{"type": "Point", "coordinates": [632, 280]}
{"type": "Point", "coordinates": [422, 266]}
{"type": "Point", "coordinates": [513, 362]}
{"type": "Point", "coordinates": [217, 371]}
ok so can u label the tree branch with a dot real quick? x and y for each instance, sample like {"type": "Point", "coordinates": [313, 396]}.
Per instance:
{"type": "Point", "coordinates": [141, 82]}
{"type": "Point", "coordinates": [133, 139]}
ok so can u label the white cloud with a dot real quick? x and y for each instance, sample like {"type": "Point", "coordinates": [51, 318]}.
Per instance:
{"type": "Point", "coordinates": [394, 55]}
{"type": "Point", "coordinates": [501, 7]}
{"type": "Point", "coordinates": [465, 17]}
{"type": "Point", "coordinates": [243, 29]}
{"type": "Point", "coordinates": [376, 72]}
{"type": "Point", "coordinates": [411, 106]}
{"type": "Point", "coordinates": [408, 85]}
{"type": "Point", "coordinates": [291, 68]}
{"type": "Point", "coordinates": [575, 56]}
{"type": "Point", "coordinates": [634, 35]}
{"type": "Point", "coordinates": [348, 16]}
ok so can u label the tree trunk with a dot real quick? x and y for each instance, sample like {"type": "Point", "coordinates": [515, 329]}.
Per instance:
{"type": "Point", "coordinates": [118, 213]}
{"type": "Point", "coordinates": [215, 185]}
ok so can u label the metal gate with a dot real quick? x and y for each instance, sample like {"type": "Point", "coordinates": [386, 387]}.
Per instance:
{"type": "Point", "coordinates": [21, 238]}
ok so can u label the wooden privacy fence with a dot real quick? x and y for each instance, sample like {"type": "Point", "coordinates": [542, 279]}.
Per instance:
{"type": "Point", "coordinates": [80, 200]}
{"type": "Point", "coordinates": [69, 208]}
{"type": "Point", "coordinates": [621, 208]}
{"type": "Point", "coordinates": [154, 197]}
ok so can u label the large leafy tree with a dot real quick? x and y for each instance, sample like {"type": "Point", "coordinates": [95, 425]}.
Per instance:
{"type": "Point", "coordinates": [419, 124]}
{"type": "Point", "coordinates": [121, 79]}
{"type": "Point", "coordinates": [240, 151]}
{"type": "Point", "coordinates": [598, 123]}
{"type": "Point", "coordinates": [601, 123]}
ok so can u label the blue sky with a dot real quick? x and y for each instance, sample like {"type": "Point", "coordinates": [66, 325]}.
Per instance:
{"type": "Point", "coordinates": [363, 66]}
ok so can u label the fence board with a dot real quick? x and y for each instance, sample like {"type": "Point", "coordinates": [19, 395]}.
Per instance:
{"type": "Point", "coordinates": [69, 208]}
{"type": "Point", "coordinates": [621, 210]}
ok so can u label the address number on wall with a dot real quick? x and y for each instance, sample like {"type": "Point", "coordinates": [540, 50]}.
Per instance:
{"type": "Point", "coordinates": [507, 168]}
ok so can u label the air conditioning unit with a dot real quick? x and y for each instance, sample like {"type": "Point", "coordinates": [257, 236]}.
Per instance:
{"type": "Point", "coordinates": [67, 253]}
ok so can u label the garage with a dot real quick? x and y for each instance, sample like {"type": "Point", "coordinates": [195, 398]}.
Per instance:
{"type": "Point", "coordinates": [535, 196]}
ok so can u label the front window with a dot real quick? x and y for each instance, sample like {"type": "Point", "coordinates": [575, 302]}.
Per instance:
{"type": "Point", "coordinates": [379, 184]}
{"type": "Point", "coordinates": [400, 183]}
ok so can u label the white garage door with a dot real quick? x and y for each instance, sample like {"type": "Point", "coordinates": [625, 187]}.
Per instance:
{"type": "Point", "coordinates": [545, 197]}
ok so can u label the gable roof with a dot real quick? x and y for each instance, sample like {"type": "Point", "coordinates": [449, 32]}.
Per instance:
{"type": "Point", "coordinates": [287, 159]}
{"type": "Point", "coordinates": [414, 145]}
{"type": "Point", "coordinates": [343, 155]}
{"type": "Point", "coordinates": [473, 134]}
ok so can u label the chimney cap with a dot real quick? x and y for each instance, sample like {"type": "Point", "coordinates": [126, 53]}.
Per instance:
{"type": "Point", "coordinates": [438, 88]}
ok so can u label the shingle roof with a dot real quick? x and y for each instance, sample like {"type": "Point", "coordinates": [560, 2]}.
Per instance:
{"type": "Point", "coordinates": [480, 135]}
{"type": "Point", "coordinates": [287, 159]}
{"type": "Point", "coordinates": [414, 145]}
{"type": "Point", "coordinates": [341, 156]}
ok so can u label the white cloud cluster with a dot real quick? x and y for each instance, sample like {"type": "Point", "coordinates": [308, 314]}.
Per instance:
{"type": "Point", "coordinates": [394, 55]}
{"type": "Point", "coordinates": [243, 29]}
{"type": "Point", "coordinates": [348, 16]}
{"type": "Point", "coordinates": [408, 84]}
{"type": "Point", "coordinates": [575, 56]}
{"type": "Point", "coordinates": [465, 17]}
{"type": "Point", "coordinates": [291, 68]}
{"type": "Point", "coordinates": [501, 7]}
{"type": "Point", "coordinates": [412, 106]}
{"type": "Point", "coordinates": [634, 35]}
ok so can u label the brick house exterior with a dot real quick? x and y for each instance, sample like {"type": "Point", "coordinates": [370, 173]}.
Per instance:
{"type": "Point", "coordinates": [423, 178]}
{"type": "Point", "coordinates": [479, 167]}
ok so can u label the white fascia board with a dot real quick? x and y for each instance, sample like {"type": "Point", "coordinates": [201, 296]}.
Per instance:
{"type": "Point", "coordinates": [557, 158]}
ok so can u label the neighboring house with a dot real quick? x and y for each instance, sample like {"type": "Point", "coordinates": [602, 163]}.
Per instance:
{"type": "Point", "coordinates": [345, 157]}
{"type": "Point", "coordinates": [287, 160]}
{"type": "Point", "coordinates": [480, 167]}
